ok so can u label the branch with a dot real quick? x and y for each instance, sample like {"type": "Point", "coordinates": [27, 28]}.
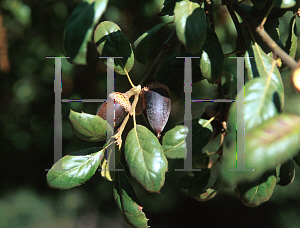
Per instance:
{"type": "Point", "coordinates": [289, 61]}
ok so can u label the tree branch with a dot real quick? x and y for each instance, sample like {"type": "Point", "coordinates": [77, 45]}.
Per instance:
{"type": "Point", "coordinates": [288, 60]}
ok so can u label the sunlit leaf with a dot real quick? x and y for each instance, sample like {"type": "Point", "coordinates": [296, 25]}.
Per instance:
{"type": "Point", "coordinates": [89, 127]}
{"type": "Point", "coordinates": [284, 3]}
{"type": "Point", "coordinates": [141, 45]}
{"type": "Point", "coordinates": [74, 169]}
{"type": "Point", "coordinates": [145, 158]}
{"type": "Point", "coordinates": [127, 202]}
{"type": "Point", "coordinates": [111, 42]}
{"type": "Point", "coordinates": [79, 29]}
{"type": "Point", "coordinates": [190, 24]}
{"type": "Point", "coordinates": [260, 94]}
{"type": "Point", "coordinates": [264, 96]}
{"type": "Point", "coordinates": [266, 146]}
{"type": "Point", "coordinates": [258, 191]}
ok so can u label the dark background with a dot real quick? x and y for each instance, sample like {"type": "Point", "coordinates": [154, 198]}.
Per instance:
{"type": "Point", "coordinates": [34, 31]}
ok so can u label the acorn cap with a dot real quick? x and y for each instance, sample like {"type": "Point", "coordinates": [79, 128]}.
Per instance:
{"type": "Point", "coordinates": [155, 85]}
{"type": "Point", "coordinates": [122, 99]}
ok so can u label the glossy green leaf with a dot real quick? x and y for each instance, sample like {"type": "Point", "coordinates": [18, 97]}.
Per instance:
{"type": "Point", "coordinates": [264, 96]}
{"type": "Point", "coordinates": [258, 191]}
{"type": "Point", "coordinates": [145, 158]}
{"type": "Point", "coordinates": [174, 144]}
{"type": "Point", "coordinates": [284, 3]}
{"type": "Point", "coordinates": [266, 146]}
{"type": "Point", "coordinates": [127, 202]}
{"type": "Point", "coordinates": [211, 58]}
{"type": "Point", "coordinates": [111, 42]}
{"type": "Point", "coordinates": [190, 24]}
{"type": "Point", "coordinates": [89, 127]}
{"type": "Point", "coordinates": [259, 102]}
{"type": "Point", "coordinates": [79, 29]}
{"type": "Point", "coordinates": [141, 45]}
{"type": "Point", "coordinates": [74, 169]}
{"type": "Point", "coordinates": [195, 181]}
{"type": "Point", "coordinates": [287, 173]}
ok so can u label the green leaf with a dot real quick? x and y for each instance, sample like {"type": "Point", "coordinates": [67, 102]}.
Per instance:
{"type": "Point", "coordinates": [190, 24]}
{"type": "Point", "coordinates": [260, 94]}
{"type": "Point", "coordinates": [291, 42]}
{"type": "Point", "coordinates": [209, 194]}
{"type": "Point", "coordinates": [142, 43]}
{"type": "Point", "coordinates": [266, 146]}
{"type": "Point", "coordinates": [287, 173]}
{"type": "Point", "coordinates": [174, 144]}
{"type": "Point", "coordinates": [202, 131]}
{"type": "Point", "coordinates": [89, 127]}
{"type": "Point", "coordinates": [264, 96]}
{"type": "Point", "coordinates": [260, 65]}
{"type": "Point", "coordinates": [211, 58]}
{"type": "Point", "coordinates": [127, 202]}
{"type": "Point", "coordinates": [259, 191]}
{"type": "Point", "coordinates": [284, 3]}
{"type": "Point", "coordinates": [195, 181]}
{"type": "Point", "coordinates": [145, 158]}
{"type": "Point", "coordinates": [79, 29]}
{"type": "Point", "coordinates": [111, 42]}
{"type": "Point", "coordinates": [74, 169]}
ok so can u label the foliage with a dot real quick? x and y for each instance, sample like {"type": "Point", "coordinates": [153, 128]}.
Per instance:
{"type": "Point", "coordinates": [271, 136]}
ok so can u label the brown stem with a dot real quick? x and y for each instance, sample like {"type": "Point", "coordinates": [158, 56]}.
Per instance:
{"type": "Point", "coordinates": [164, 48]}
{"type": "Point", "coordinates": [289, 61]}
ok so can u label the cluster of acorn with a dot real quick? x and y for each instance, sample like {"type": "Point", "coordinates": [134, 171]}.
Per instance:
{"type": "Point", "coordinates": [154, 104]}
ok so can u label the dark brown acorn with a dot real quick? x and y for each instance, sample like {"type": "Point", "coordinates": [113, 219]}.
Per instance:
{"type": "Point", "coordinates": [121, 107]}
{"type": "Point", "coordinates": [156, 105]}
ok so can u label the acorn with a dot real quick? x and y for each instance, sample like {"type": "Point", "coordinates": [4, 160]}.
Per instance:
{"type": "Point", "coordinates": [156, 105]}
{"type": "Point", "coordinates": [122, 107]}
